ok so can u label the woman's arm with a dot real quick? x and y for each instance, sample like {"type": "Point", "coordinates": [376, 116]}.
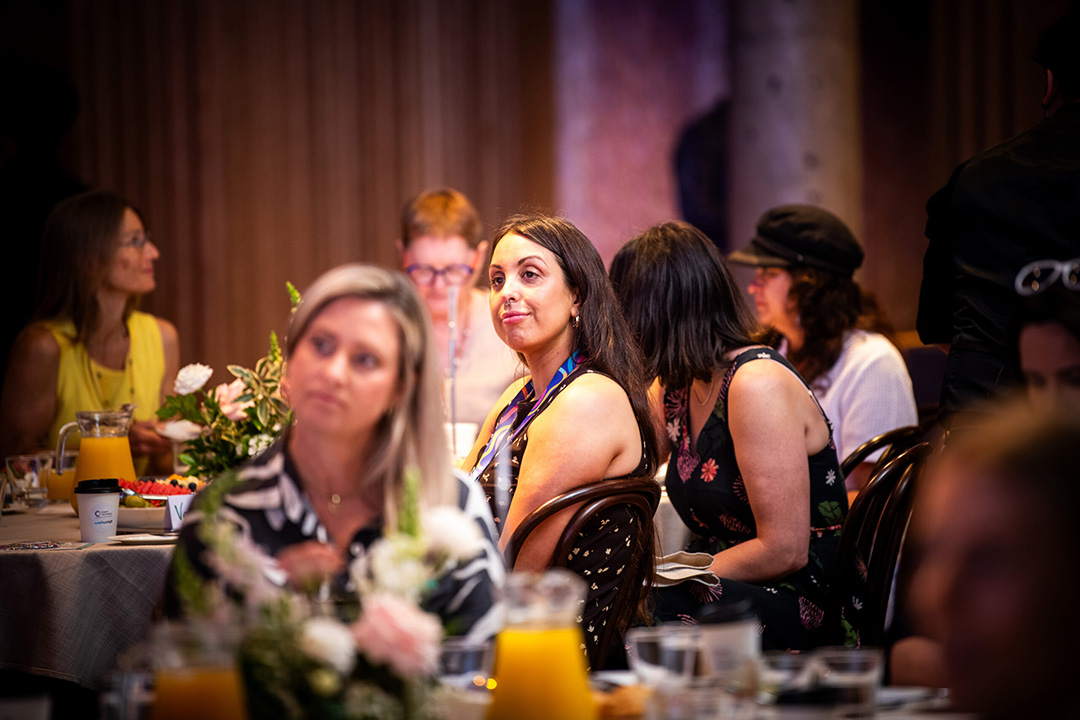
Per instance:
{"type": "Point", "coordinates": [772, 423]}
{"type": "Point", "coordinates": [144, 437]}
{"type": "Point", "coordinates": [29, 398]}
{"type": "Point", "coordinates": [588, 433]}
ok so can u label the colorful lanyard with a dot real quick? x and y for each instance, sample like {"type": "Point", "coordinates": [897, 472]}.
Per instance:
{"type": "Point", "coordinates": [502, 435]}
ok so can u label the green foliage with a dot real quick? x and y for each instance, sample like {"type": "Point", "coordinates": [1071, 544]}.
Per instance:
{"type": "Point", "coordinates": [226, 443]}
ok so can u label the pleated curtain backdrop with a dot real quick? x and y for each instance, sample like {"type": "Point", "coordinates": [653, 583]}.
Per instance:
{"type": "Point", "coordinates": [269, 140]}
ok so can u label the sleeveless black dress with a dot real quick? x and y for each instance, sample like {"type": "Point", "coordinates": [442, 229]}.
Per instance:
{"type": "Point", "coordinates": [605, 553]}
{"type": "Point", "coordinates": [706, 488]}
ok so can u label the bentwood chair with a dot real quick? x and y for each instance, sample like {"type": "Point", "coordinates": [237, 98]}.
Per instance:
{"type": "Point", "coordinates": [595, 501]}
{"type": "Point", "coordinates": [894, 442]}
{"type": "Point", "coordinates": [867, 553]}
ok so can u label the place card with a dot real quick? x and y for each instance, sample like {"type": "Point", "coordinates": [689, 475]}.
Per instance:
{"type": "Point", "coordinates": [175, 510]}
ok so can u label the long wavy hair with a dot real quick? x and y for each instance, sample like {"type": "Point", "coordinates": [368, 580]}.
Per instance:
{"type": "Point", "coordinates": [682, 303]}
{"type": "Point", "coordinates": [412, 434]}
{"type": "Point", "coordinates": [602, 339]}
{"type": "Point", "coordinates": [82, 235]}
{"type": "Point", "coordinates": [828, 306]}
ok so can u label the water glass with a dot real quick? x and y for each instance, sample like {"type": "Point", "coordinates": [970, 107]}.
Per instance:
{"type": "Point", "coordinates": [29, 475]}
{"type": "Point", "coordinates": [783, 672]}
{"type": "Point", "coordinates": [854, 675]}
{"type": "Point", "coordinates": [663, 656]}
{"type": "Point", "coordinates": [465, 664]}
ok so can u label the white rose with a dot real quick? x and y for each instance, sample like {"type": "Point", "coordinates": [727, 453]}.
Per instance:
{"type": "Point", "coordinates": [181, 430]}
{"type": "Point", "coordinates": [328, 641]}
{"type": "Point", "coordinates": [191, 378]}
{"type": "Point", "coordinates": [450, 531]}
{"type": "Point", "coordinates": [396, 566]}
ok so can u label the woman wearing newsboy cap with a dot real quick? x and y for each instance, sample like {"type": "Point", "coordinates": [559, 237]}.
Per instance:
{"type": "Point", "coordinates": [830, 329]}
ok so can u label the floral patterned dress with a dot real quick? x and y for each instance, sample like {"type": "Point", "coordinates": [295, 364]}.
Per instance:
{"type": "Point", "coordinates": [706, 488]}
{"type": "Point", "coordinates": [609, 543]}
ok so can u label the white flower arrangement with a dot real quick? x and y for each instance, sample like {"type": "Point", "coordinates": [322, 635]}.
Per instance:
{"type": "Point", "coordinates": [376, 666]}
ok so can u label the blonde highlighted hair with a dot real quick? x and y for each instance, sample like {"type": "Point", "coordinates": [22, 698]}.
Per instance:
{"type": "Point", "coordinates": [412, 434]}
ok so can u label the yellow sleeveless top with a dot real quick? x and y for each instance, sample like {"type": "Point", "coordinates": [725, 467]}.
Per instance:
{"type": "Point", "coordinates": [82, 384]}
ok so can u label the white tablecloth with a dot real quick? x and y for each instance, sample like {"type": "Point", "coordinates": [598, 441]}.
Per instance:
{"type": "Point", "coordinates": [67, 613]}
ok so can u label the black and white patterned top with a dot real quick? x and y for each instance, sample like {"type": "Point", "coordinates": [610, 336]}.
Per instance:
{"type": "Point", "coordinates": [270, 508]}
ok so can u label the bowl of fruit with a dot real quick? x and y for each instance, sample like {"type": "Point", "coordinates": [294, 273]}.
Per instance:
{"type": "Point", "coordinates": [143, 504]}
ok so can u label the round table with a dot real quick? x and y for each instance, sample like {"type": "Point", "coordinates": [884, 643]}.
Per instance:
{"type": "Point", "coordinates": [68, 612]}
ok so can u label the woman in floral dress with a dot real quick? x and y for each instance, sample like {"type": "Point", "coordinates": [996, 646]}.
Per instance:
{"type": "Point", "coordinates": [753, 470]}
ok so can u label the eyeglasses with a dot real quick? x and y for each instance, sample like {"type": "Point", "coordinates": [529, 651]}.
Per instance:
{"type": "Point", "coordinates": [136, 241]}
{"type": "Point", "coordinates": [456, 274]}
{"type": "Point", "coordinates": [1037, 276]}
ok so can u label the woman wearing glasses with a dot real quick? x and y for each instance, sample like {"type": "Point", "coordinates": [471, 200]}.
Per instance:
{"type": "Point", "coordinates": [442, 252]}
{"type": "Point", "coordinates": [88, 348]}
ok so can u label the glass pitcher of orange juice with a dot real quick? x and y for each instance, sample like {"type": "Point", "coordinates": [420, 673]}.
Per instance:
{"type": "Point", "coordinates": [539, 655]}
{"type": "Point", "coordinates": [104, 451]}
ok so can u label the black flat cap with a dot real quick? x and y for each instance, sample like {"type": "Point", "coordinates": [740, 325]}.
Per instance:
{"type": "Point", "coordinates": [794, 235]}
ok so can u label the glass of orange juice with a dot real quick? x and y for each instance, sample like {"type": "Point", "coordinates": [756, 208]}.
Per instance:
{"type": "Point", "coordinates": [182, 671]}
{"type": "Point", "coordinates": [62, 477]}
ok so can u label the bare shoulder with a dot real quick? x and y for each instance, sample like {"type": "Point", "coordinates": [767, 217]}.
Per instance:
{"type": "Point", "coordinates": [169, 335]}
{"type": "Point", "coordinates": [36, 344]}
{"type": "Point", "coordinates": [591, 396]}
{"type": "Point", "coordinates": [764, 381]}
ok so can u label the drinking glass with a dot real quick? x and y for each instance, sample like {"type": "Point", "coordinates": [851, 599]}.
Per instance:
{"type": "Point", "coordinates": [28, 475]}
{"type": "Point", "coordinates": [664, 655]}
{"type": "Point", "coordinates": [465, 664]}
{"type": "Point", "coordinates": [854, 674]}
{"type": "Point", "coordinates": [784, 672]}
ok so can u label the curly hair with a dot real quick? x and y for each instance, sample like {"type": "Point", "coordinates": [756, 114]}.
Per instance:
{"type": "Point", "coordinates": [829, 306]}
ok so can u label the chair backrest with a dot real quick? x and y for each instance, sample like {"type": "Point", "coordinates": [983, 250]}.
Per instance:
{"type": "Point", "coordinates": [888, 544]}
{"type": "Point", "coordinates": [894, 442]}
{"type": "Point", "coordinates": [857, 550]}
{"type": "Point", "coordinates": [642, 496]}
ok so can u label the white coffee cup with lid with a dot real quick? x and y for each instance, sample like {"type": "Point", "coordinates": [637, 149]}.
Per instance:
{"type": "Point", "coordinates": [99, 508]}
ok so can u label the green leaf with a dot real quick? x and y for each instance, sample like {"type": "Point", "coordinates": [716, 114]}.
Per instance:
{"type": "Point", "coordinates": [409, 512]}
{"type": "Point", "coordinates": [262, 412]}
{"type": "Point", "coordinates": [243, 373]}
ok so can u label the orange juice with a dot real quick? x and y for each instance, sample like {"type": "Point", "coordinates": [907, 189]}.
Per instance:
{"type": "Point", "coordinates": [102, 457]}
{"type": "Point", "coordinates": [206, 693]}
{"type": "Point", "coordinates": [61, 484]}
{"type": "Point", "coordinates": [540, 674]}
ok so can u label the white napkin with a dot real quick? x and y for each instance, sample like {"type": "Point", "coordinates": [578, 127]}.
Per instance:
{"type": "Point", "coordinates": [682, 566]}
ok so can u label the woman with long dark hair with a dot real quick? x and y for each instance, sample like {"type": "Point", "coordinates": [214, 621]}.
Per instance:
{"type": "Point", "coordinates": [581, 415]}
{"type": "Point", "coordinates": [88, 347]}
{"type": "Point", "coordinates": [753, 471]}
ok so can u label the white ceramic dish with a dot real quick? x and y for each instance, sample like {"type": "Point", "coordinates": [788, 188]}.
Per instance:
{"type": "Point", "coordinates": [144, 539]}
{"type": "Point", "coordinates": [151, 518]}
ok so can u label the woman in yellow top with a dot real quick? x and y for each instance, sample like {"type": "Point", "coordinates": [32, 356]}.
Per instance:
{"type": "Point", "coordinates": [88, 348]}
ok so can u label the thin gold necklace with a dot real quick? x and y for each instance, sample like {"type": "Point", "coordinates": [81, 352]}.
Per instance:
{"type": "Point", "coordinates": [712, 386]}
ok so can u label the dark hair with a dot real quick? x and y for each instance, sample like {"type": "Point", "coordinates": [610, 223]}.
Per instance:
{"type": "Point", "coordinates": [602, 337]}
{"type": "Point", "coordinates": [1059, 52]}
{"type": "Point", "coordinates": [82, 235]}
{"type": "Point", "coordinates": [1056, 304]}
{"type": "Point", "coordinates": [442, 213]}
{"type": "Point", "coordinates": [829, 305]}
{"type": "Point", "coordinates": [682, 302]}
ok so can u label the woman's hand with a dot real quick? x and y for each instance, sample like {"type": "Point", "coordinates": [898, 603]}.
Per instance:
{"type": "Point", "coordinates": [145, 440]}
{"type": "Point", "coordinates": [308, 564]}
